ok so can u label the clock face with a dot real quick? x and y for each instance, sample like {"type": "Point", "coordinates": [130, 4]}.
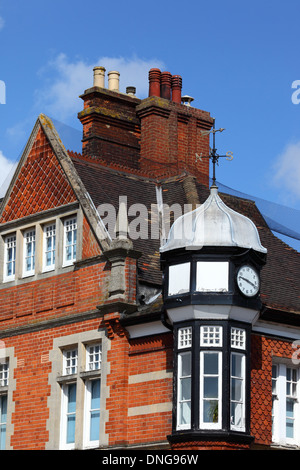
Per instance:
{"type": "Point", "coordinates": [248, 281]}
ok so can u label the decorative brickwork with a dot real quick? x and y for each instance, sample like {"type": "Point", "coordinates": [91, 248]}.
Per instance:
{"type": "Point", "coordinates": [41, 183]}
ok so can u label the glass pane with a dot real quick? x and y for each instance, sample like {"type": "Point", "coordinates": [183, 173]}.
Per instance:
{"type": "Point", "coordinates": [236, 414]}
{"type": "Point", "coordinates": [185, 413]}
{"type": "Point", "coordinates": [210, 411]}
{"type": "Point", "coordinates": [212, 276]}
{"type": "Point", "coordinates": [289, 409]}
{"type": "Point", "coordinates": [185, 364]}
{"type": "Point", "coordinates": [3, 409]}
{"type": "Point", "coordinates": [179, 279]}
{"type": "Point", "coordinates": [72, 398]}
{"type": "Point", "coordinates": [10, 254]}
{"type": "Point", "coordinates": [48, 259]}
{"type": "Point", "coordinates": [211, 361]}
{"type": "Point", "coordinates": [211, 387]}
{"type": "Point", "coordinates": [28, 264]}
{"type": "Point", "coordinates": [185, 389]}
{"type": "Point", "coordinates": [70, 429]}
{"type": "Point", "coordinates": [94, 426]}
{"type": "Point", "coordinates": [2, 436]}
{"type": "Point", "coordinates": [236, 365]}
{"type": "Point", "coordinates": [9, 270]}
{"type": "Point", "coordinates": [68, 253]}
{"type": "Point", "coordinates": [95, 394]}
{"type": "Point", "coordinates": [69, 238]}
{"type": "Point", "coordinates": [236, 389]}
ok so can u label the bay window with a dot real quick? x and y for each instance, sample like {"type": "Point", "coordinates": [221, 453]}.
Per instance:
{"type": "Point", "coordinates": [212, 377]}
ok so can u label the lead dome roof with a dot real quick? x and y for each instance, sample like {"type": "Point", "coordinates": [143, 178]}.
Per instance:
{"type": "Point", "coordinates": [213, 224]}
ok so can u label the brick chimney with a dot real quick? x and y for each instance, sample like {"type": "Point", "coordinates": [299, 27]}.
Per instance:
{"type": "Point", "coordinates": [153, 136]}
{"type": "Point", "coordinates": [171, 132]}
{"type": "Point", "coordinates": [111, 128]}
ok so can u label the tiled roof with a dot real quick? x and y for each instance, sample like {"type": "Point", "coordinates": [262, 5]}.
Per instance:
{"type": "Point", "coordinates": [280, 288]}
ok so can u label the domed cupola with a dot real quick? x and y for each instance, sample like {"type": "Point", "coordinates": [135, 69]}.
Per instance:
{"type": "Point", "coordinates": [211, 263]}
{"type": "Point", "coordinates": [213, 224]}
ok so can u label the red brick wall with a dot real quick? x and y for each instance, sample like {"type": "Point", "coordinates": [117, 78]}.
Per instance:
{"type": "Point", "coordinates": [32, 389]}
{"type": "Point", "coordinates": [60, 295]}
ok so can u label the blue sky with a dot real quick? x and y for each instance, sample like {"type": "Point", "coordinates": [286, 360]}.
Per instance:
{"type": "Point", "coordinates": [238, 60]}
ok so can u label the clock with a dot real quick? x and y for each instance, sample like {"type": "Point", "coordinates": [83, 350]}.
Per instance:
{"type": "Point", "coordinates": [248, 281]}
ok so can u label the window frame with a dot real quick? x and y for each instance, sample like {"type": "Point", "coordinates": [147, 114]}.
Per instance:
{"type": "Point", "coordinates": [180, 379]}
{"type": "Point", "coordinates": [3, 422]}
{"type": "Point", "coordinates": [242, 402]}
{"type": "Point", "coordinates": [64, 445]}
{"type": "Point", "coordinates": [71, 365]}
{"type": "Point", "coordinates": [71, 261]}
{"type": "Point", "coordinates": [218, 339]}
{"type": "Point", "coordinates": [30, 272]}
{"type": "Point", "coordinates": [47, 226]}
{"type": "Point", "coordinates": [6, 277]}
{"type": "Point", "coordinates": [202, 399]}
{"type": "Point", "coordinates": [88, 442]}
{"type": "Point", "coordinates": [280, 398]}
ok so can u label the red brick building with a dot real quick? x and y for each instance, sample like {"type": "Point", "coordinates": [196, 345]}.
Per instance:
{"type": "Point", "coordinates": [97, 350]}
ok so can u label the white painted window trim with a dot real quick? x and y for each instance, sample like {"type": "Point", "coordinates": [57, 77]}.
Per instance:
{"type": "Point", "coordinates": [72, 221]}
{"type": "Point", "coordinates": [46, 229]}
{"type": "Point", "coordinates": [87, 442]}
{"type": "Point", "coordinates": [179, 379]}
{"type": "Point", "coordinates": [279, 407]}
{"type": "Point", "coordinates": [218, 424]}
{"type": "Point", "coordinates": [211, 336]}
{"type": "Point", "coordinates": [32, 231]}
{"type": "Point", "coordinates": [243, 378]}
{"type": "Point", "coordinates": [63, 428]}
{"type": "Point", "coordinates": [7, 240]}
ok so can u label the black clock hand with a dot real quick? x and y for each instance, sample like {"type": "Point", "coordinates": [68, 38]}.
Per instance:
{"type": "Point", "coordinates": [247, 280]}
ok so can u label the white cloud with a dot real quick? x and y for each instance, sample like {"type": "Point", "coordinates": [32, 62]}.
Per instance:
{"type": "Point", "coordinates": [287, 170]}
{"type": "Point", "coordinates": [2, 23]}
{"type": "Point", "coordinates": [6, 173]}
{"type": "Point", "coordinates": [67, 79]}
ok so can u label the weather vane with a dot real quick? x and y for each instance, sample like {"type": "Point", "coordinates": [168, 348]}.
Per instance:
{"type": "Point", "coordinates": [213, 152]}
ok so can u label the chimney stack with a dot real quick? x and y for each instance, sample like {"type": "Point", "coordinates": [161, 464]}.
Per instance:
{"type": "Point", "coordinates": [113, 80]}
{"type": "Point", "coordinates": [99, 76]}
{"type": "Point", "coordinates": [154, 82]}
{"type": "Point", "coordinates": [165, 85]}
{"type": "Point", "coordinates": [176, 88]}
